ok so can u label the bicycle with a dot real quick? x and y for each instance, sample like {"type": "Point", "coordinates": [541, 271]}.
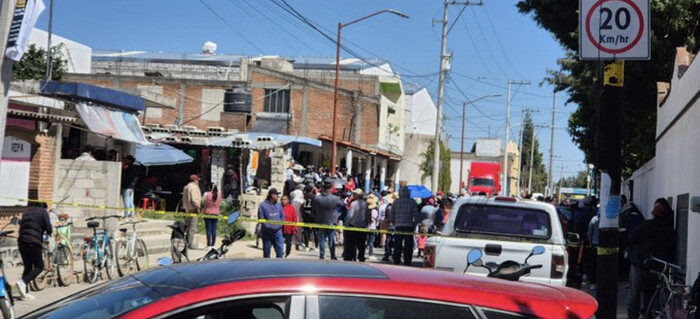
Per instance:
{"type": "Point", "coordinates": [131, 251]}
{"type": "Point", "coordinates": [58, 262]}
{"type": "Point", "coordinates": [6, 301]}
{"type": "Point", "coordinates": [97, 251]}
{"type": "Point", "coordinates": [672, 298]}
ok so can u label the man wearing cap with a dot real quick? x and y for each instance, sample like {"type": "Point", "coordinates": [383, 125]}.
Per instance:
{"type": "Point", "coordinates": [191, 201]}
{"type": "Point", "coordinates": [324, 209]}
{"type": "Point", "coordinates": [271, 209]}
{"type": "Point", "coordinates": [355, 241]}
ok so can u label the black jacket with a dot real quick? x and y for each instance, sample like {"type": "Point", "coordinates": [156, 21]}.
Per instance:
{"type": "Point", "coordinates": [651, 238]}
{"type": "Point", "coordinates": [35, 221]}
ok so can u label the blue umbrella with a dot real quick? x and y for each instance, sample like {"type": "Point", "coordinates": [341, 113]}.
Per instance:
{"type": "Point", "coordinates": [419, 191]}
{"type": "Point", "coordinates": [160, 155]}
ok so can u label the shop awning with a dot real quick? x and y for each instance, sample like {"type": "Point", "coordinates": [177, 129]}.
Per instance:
{"type": "Point", "coordinates": [87, 93]}
{"type": "Point", "coordinates": [112, 123]}
{"type": "Point", "coordinates": [41, 116]}
{"type": "Point", "coordinates": [368, 150]}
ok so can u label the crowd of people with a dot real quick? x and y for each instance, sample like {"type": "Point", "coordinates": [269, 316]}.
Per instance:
{"type": "Point", "coordinates": [323, 200]}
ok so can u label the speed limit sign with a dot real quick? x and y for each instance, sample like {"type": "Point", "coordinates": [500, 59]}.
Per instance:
{"type": "Point", "coordinates": [614, 29]}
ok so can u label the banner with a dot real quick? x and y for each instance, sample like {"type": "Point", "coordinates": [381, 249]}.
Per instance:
{"type": "Point", "coordinates": [115, 124]}
{"type": "Point", "coordinates": [26, 14]}
{"type": "Point", "coordinates": [14, 170]}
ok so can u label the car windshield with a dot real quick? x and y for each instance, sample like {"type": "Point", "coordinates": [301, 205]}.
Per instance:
{"type": "Point", "coordinates": [102, 301]}
{"type": "Point", "coordinates": [482, 182]}
{"type": "Point", "coordinates": [503, 220]}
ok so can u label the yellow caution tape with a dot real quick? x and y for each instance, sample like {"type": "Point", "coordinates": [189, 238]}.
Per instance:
{"type": "Point", "coordinates": [256, 220]}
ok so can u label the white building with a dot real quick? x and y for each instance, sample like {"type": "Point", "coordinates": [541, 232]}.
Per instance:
{"type": "Point", "coordinates": [675, 172]}
{"type": "Point", "coordinates": [78, 56]}
{"type": "Point", "coordinates": [419, 129]}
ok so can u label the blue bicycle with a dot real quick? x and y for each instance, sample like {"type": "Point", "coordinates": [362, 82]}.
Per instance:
{"type": "Point", "coordinates": [97, 250]}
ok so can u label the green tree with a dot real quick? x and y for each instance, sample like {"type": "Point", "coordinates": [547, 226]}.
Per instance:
{"type": "Point", "coordinates": [539, 172]}
{"type": "Point", "coordinates": [576, 181]}
{"type": "Point", "coordinates": [445, 174]}
{"type": "Point", "coordinates": [32, 66]}
{"type": "Point", "coordinates": [674, 23]}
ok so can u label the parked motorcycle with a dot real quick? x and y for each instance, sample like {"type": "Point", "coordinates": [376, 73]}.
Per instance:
{"type": "Point", "coordinates": [508, 270]}
{"type": "Point", "coordinates": [226, 242]}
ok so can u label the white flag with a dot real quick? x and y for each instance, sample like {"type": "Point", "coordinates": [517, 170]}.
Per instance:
{"type": "Point", "coordinates": [26, 14]}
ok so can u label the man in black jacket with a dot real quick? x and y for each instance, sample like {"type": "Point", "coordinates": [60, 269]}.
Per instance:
{"type": "Point", "coordinates": [35, 222]}
{"type": "Point", "coordinates": [652, 238]}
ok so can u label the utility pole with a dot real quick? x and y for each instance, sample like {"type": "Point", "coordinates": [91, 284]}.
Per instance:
{"type": "Point", "coordinates": [550, 178]}
{"type": "Point", "coordinates": [49, 57]}
{"type": "Point", "coordinates": [7, 11]}
{"type": "Point", "coordinates": [561, 177]}
{"type": "Point", "coordinates": [461, 152]}
{"type": "Point", "coordinates": [520, 144]}
{"type": "Point", "coordinates": [532, 156]}
{"type": "Point", "coordinates": [441, 91]}
{"type": "Point", "coordinates": [505, 153]}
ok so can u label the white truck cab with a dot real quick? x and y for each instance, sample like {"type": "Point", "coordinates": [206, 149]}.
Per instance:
{"type": "Point", "coordinates": [504, 228]}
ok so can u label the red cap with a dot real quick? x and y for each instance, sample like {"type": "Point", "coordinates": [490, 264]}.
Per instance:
{"type": "Point", "coordinates": [194, 178]}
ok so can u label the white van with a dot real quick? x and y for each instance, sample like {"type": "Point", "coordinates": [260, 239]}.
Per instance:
{"type": "Point", "coordinates": [504, 228]}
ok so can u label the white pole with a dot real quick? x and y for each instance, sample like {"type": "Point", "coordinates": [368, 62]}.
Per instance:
{"type": "Point", "coordinates": [504, 185]}
{"type": "Point", "coordinates": [7, 10]}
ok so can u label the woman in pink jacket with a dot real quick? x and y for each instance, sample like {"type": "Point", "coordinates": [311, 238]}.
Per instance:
{"type": "Point", "coordinates": [212, 203]}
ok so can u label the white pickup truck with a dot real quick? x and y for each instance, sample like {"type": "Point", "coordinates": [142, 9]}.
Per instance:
{"type": "Point", "coordinates": [504, 228]}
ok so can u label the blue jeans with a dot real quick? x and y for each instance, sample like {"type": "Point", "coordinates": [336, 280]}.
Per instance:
{"type": "Point", "coordinates": [329, 236]}
{"type": "Point", "coordinates": [128, 197]}
{"type": "Point", "coordinates": [270, 238]}
{"type": "Point", "coordinates": [370, 242]}
{"type": "Point", "coordinates": [211, 230]}
{"type": "Point", "coordinates": [389, 246]}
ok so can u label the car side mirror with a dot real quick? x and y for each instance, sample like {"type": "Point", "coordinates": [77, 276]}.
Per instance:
{"type": "Point", "coordinates": [573, 238]}
{"type": "Point", "coordinates": [474, 258]}
{"type": "Point", "coordinates": [14, 221]}
{"type": "Point", "coordinates": [233, 217]}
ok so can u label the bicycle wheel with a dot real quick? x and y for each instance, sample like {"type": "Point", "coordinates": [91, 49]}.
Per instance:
{"type": "Point", "coordinates": [8, 312]}
{"type": "Point", "coordinates": [656, 305]}
{"type": "Point", "coordinates": [176, 248]}
{"type": "Point", "coordinates": [121, 252]}
{"type": "Point", "coordinates": [109, 261]}
{"type": "Point", "coordinates": [141, 255]}
{"type": "Point", "coordinates": [64, 265]}
{"type": "Point", "coordinates": [90, 262]}
{"type": "Point", "coordinates": [40, 282]}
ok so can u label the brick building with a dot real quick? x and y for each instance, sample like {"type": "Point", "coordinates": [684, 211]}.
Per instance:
{"type": "Point", "coordinates": [287, 97]}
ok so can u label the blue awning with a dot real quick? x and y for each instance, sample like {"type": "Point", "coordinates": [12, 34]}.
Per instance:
{"type": "Point", "coordinates": [81, 92]}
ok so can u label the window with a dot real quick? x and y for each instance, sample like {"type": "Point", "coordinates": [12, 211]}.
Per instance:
{"type": "Point", "coordinates": [497, 314]}
{"type": "Point", "coordinates": [266, 308]}
{"type": "Point", "coordinates": [276, 101]}
{"type": "Point", "coordinates": [482, 182]}
{"type": "Point", "coordinates": [341, 307]}
{"type": "Point", "coordinates": [502, 220]}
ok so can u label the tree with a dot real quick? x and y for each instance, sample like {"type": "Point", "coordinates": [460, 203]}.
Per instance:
{"type": "Point", "coordinates": [674, 23]}
{"type": "Point", "coordinates": [33, 64]}
{"type": "Point", "coordinates": [445, 174]}
{"type": "Point", "coordinates": [539, 172]}
{"type": "Point", "coordinates": [577, 181]}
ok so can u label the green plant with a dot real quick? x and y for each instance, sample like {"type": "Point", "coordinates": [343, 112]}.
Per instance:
{"type": "Point", "coordinates": [33, 64]}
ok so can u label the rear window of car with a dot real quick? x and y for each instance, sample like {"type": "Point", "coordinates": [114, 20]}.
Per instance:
{"type": "Point", "coordinates": [503, 221]}
{"type": "Point", "coordinates": [102, 301]}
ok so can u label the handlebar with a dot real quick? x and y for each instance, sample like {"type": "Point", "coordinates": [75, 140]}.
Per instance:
{"type": "Point", "coordinates": [65, 225]}
{"type": "Point", "coordinates": [134, 222]}
{"type": "Point", "coordinates": [102, 217]}
{"type": "Point", "coordinates": [5, 233]}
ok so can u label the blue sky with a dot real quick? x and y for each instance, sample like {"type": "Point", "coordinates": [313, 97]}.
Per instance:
{"type": "Point", "coordinates": [490, 44]}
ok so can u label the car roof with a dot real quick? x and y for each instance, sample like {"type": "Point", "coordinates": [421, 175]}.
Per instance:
{"type": "Point", "coordinates": [258, 276]}
{"type": "Point", "coordinates": [505, 201]}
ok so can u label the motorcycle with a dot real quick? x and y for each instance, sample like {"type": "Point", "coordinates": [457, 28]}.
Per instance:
{"type": "Point", "coordinates": [508, 270]}
{"type": "Point", "coordinates": [179, 251]}
{"type": "Point", "coordinates": [226, 242]}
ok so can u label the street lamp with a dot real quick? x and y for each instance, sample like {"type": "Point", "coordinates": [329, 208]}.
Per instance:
{"type": "Point", "coordinates": [337, 76]}
{"type": "Point", "coordinates": [461, 153]}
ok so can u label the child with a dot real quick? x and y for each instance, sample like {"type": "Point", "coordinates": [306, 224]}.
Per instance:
{"type": "Point", "coordinates": [421, 238]}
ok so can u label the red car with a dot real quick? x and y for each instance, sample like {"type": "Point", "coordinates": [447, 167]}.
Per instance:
{"type": "Point", "coordinates": [313, 289]}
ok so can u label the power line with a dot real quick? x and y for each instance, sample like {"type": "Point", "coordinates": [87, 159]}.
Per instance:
{"type": "Point", "coordinates": [230, 26]}
{"type": "Point", "coordinates": [488, 47]}
{"type": "Point", "coordinates": [500, 44]}
{"type": "Point", "coordinates": [481, 59]}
